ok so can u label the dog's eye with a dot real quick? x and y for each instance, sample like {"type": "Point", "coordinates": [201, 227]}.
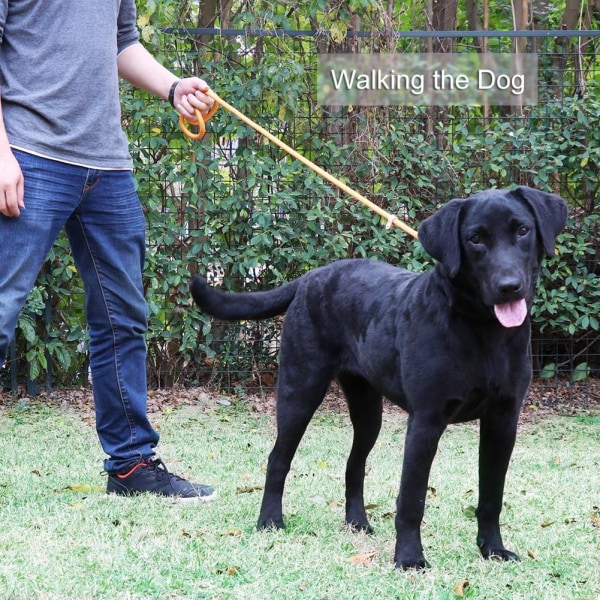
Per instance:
{"type": "Point", "coordinates": [523, 230]}
{"type": "Point", "coordinates": [476, 239]}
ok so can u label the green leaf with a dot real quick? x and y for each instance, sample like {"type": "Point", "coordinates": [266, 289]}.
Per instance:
{"type": "Point", "coordinates": [581, 372]}
{"type": "Point", "coordinates": [28, 329]}
{"type": "Point", "coordinates": [548, 372]}
{"type": "Point", "coordinates": [338, 32]}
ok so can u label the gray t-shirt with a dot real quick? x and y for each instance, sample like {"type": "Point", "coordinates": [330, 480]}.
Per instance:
{"type": "Point", "coordinates": [59, 82]}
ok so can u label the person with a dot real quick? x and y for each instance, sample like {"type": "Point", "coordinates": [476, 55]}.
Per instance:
{"type": "Point", "coordinates": [65, 163]}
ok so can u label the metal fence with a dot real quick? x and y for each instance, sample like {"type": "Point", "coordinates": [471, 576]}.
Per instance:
{"type": "Point", "coordinates": [244, 356]}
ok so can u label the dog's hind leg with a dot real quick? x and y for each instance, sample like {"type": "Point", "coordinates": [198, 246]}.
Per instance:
{"type": "Point", "coordinates": [298, 396]}
{"type": "Point", "coordinates": [366, 405]}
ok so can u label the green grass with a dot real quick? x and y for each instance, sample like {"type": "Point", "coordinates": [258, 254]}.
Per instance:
{"type": "Point", "coordinates": [60, 537]}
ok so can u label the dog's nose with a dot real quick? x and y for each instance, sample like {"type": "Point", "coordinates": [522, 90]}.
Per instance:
{"type": "Point", "coordinates": [510, 286]}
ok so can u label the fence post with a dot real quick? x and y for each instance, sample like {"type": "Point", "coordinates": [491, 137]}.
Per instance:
{"type": "Point", "coordinates": [48, 324]}
{"type": "Point", "coordinates": [31, 386]}
{"type": "Point", "coordinates": [13, 368]}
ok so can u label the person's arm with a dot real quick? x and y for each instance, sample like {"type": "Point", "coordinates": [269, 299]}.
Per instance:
{"type": "Point", "coordinates": [11, 177]}
{"type": "Point", "coordinates": [141, 69]}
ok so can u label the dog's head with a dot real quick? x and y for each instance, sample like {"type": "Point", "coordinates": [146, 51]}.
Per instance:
{"type": "Point", "coordinates": [493, 243]}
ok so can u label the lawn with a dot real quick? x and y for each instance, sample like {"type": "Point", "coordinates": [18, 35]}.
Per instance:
{"type": "Point", "coordinates": [61, 537]}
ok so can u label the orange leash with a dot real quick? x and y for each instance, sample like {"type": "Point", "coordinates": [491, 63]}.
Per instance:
{"type": "Point", "coordinates": [201, 125]}
{"type": "Point", "coordinates": [200, 122]}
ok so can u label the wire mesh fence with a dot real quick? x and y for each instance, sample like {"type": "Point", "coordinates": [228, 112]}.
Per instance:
{"type": "Point", "coordinates": [233, 205]}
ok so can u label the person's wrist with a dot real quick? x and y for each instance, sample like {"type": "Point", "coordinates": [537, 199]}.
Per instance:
{"type": "Point", "coordinates": [171, 96]}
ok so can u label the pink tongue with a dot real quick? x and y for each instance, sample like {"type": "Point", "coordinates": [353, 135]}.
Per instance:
{"type": "Point", "coordinates": [511, 314]}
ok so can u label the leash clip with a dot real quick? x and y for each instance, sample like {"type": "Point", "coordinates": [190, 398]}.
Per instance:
{"type": "Point", "coordinates": [390, 221]}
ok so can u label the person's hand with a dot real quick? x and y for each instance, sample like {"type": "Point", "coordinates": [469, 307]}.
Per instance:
{"type": "Point", "coordinates": [190, 94]}
{"type": "Point", "coordinates": [11, 185]}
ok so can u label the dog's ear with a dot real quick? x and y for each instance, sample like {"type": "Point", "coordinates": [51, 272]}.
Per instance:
{"type": "Point", "coordinates": [550, 213]}
{"type": "Point", "coordinates": [439, 235]}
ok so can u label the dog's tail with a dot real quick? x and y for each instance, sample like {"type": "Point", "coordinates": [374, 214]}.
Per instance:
{"type": "Point", "coordinates": [236, 306]}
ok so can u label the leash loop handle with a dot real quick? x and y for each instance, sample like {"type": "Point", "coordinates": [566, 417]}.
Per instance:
{"type": "Point", "coordinates": [200, 123]}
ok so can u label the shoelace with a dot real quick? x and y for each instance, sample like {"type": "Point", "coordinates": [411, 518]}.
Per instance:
{"type": "Point", "coordinates": [159, 466]}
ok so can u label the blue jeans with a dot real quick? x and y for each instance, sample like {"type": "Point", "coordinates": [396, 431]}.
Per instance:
{"type": "Point", "coordinates": [105, 225]}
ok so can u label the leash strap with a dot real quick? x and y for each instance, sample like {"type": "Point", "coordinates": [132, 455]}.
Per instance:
{"type": "Point", "coordinates": [390, 218]}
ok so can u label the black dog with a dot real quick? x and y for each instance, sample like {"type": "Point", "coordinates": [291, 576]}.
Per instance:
{"type": "Point", "coordinates": [448, 346]}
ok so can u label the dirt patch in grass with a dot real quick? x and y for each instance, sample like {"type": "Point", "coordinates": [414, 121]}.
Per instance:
{"type": "Point", "coordinates": [542, 400]}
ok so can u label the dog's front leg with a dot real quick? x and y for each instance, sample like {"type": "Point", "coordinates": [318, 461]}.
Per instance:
{"type": "Point", "coordinates": [422, 437]}
{"type": "Point", "coordinates": [497, 439]}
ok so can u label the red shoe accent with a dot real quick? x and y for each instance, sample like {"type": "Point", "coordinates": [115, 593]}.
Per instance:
{"type": "Point", "coordinates": [140, 464]}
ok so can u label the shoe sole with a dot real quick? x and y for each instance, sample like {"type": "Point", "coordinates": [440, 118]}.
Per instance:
{"type": "Point", "coordinates": [174, 499]}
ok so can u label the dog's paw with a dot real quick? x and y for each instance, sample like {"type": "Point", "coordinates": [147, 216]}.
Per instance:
{"type": "Point", "coordinates": [499, 554]}
{"type": "Point", "coordinates": [269, 523]}
{"type": "Point", "coordinates": [414, 563]}
{"type": "Point", "coordinates": [360, 526]}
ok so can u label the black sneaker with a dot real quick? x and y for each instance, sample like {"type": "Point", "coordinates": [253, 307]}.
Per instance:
{"type": "Point", "coordinates": [153, 477]}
